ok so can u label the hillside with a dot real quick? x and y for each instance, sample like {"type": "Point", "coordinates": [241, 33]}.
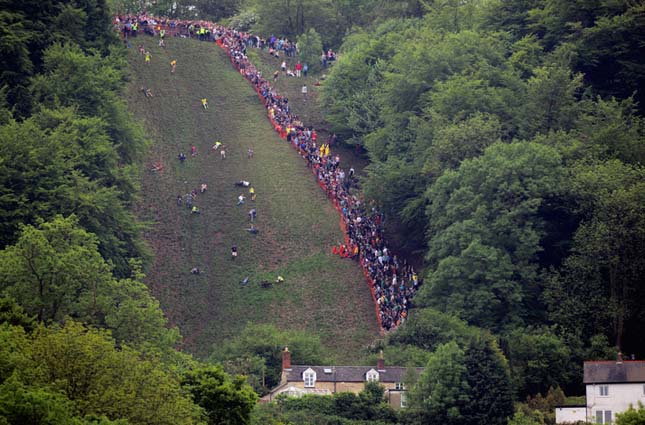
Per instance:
{"type": "Point", "coordinates": [322, 294]}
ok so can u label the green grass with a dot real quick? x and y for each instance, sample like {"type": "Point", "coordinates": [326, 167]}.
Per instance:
{"type": "Point", "coordinates": [322, 294]}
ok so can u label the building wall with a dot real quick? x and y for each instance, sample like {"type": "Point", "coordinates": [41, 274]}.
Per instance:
{"type": "Point", "coordinates": [394, 396]}
{"type": "Point", "coordinates": [618, 398]}
{"type": "Point", "coordinates": [570, 415]}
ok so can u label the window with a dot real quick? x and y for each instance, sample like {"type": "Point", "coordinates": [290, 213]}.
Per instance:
{"type": "Point", "coordinates": [604, 390]}
{"type": "Point", "coordinates": [399, 386]}
{"type": "Point", "coordinates": [404, 400]}
{"type": "Point", "coordinates": [603, 416]}
{"type": "Point", "coordinates": [309, 376]}
{"type": "Point", "coordinates": [371, 376]}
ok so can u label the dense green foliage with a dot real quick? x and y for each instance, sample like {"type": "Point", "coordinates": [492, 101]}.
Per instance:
{"type": "Point", "coordinates": [71, 146]}
{"type": "Point", "coordinates": [367, 407]}
{"type": "Point", "coordinates": [632, 416]}
{"type": "Point", "coordinates": [81, 339]}
{"type": "Point", "coordinates": [257, 354]}
{"type": "Point", "coordinates": [226, 401]}
{"type": "Point", "coordinates": [72, 373]}
{"type": "Point", "coordinates": [504, 137]}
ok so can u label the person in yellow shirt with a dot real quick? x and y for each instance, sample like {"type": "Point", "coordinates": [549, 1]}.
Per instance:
{"type": "Point", "coordinates": [205, 103]}
{"type": "Point", "coordinates": [326, 150]}
{"type": "Point", "coordinates": [173, 65]}
{"type": "Point", "coordinates": [252, 193]}
{"type": "Point", "coordinates": [147, 59]}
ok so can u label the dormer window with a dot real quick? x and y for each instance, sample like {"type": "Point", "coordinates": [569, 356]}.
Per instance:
{"type": "Point", "coordinates": [309, 377]}
{"type": "Point", "coordinates": [371, 376]}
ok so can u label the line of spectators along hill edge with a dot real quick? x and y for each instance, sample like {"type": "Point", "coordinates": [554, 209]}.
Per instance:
{"type": "Point", "coordinates": [392, 281]}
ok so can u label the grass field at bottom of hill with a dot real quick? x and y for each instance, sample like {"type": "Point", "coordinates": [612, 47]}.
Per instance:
{"type": "Point", "coordinates": [322, 294]}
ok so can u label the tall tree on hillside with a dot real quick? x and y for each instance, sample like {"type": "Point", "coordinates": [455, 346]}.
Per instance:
{"type": "Point", "coordinates": [489, 382]}
{"type": "Point", "coordinates": [226, 400]}
{"type": "Point", "coordinates": [485, 232]}
{"type": "Point", "coordinates": [59, 163]}
{"type": "Point", "coordinates": [442, 393]}
{"type": "Point", "coordinates": [309, 48]}
{"type": "Point", "coordinates": [606, 36]}
{"type": "Point", "coordinates": [606, 263]}
{"type": "Point", "coordinates": [55, 270]}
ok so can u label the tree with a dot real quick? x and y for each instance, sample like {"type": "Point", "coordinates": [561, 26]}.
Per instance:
{"type": "Point", "coordinates": [226, 400]}
{"type": "Point", "coordinates": [217, 10]}
{"type": "Point", "coordinates": [20, 404]}
{"type": "Point", "coordinates": [309, 49]}
{"type": "Point", "coordinates": [520, 418]}
{"type": "Point", "coordinates": [462, 140]}
{"type": "Point", "coordinates": [551, 100]}
{"type": "Point", "coordinates": [442, 392]}
{"type": "Point", "coordinates": [631, 416]}
{"type": "Point", "coordinates": [428, 328]}
{"type": "Point", "coordinates": [56, 270]}
{"type": "Point", "coordinates": [59, 163]}
{"type": "Point", "coordinates": [78, 371]}
{"type": "Point", "coordinates": [539, 360]}
{"type": "Point", "coordinates": [257, 353]}
{"type": "Point", "coordinates": [489, 383]}
{"type": "Point", "coordinates": [289, 18]}
{"type": "Point", "coordinates": [14, 315]}
{"type": "Point", "coordinates": [84, 364]}
{"type": "Point", "coordinates": [606, 255]}
{"type": "Point", "coordinates": [485, 231]}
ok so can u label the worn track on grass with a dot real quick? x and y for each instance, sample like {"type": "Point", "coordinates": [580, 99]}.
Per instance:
{"type": "Point", "coordinates": [322, 294]}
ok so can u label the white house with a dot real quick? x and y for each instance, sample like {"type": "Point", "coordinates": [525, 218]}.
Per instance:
{"type": "Point", "coordinates": [611, 387]}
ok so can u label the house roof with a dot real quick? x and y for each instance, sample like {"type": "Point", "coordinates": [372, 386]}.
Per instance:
{"type": "Point", "coordinates": [349, 373]}
{"type": "Point", "coordinates": [608, 372]}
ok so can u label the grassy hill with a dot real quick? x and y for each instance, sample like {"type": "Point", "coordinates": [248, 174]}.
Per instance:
{"type": "Point", "coordinates": [322, 294]}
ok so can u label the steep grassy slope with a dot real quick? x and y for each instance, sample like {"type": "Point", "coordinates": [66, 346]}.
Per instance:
{"type": "Point", "coordinates": [322, 294]}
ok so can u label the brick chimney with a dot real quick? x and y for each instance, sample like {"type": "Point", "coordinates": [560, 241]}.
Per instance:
{"type": "Point", "coordinates": [619, 358]}
{"type": "Point", "coordinates": [286, 359]}
{"type": "Point", "coordinates": [380, 363]}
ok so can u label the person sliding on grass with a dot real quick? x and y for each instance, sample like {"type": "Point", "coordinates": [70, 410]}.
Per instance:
{"type": "Point", "coordinates": [217, 145]}
{"type": "Point", "coordinates": [242, 183]}
{"type": "Point", "coordinates": [205, 103]}
{"type": "Point", "coordinates": [253, 230]}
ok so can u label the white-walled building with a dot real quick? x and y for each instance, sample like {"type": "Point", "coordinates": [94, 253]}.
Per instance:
{"type": "Point", "coordinates": [611, 387]}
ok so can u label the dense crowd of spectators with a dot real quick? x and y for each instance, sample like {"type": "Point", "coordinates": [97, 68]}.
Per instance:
{"type": "Point", "coordinates": [393, 282]}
